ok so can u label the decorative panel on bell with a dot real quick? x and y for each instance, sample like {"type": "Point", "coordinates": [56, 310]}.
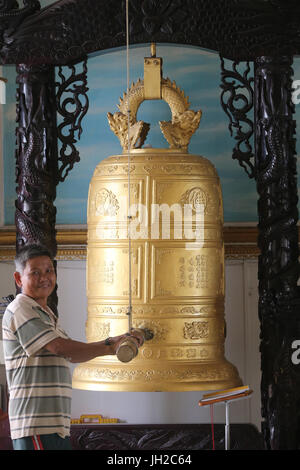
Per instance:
{"type": "Point", "coordinates": [196, 272]}
{"type": "Point", "coordinates": [108, 277]}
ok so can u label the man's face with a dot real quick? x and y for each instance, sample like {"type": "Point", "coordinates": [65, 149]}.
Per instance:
{"type": "Point", "coordinates": [38, 278]}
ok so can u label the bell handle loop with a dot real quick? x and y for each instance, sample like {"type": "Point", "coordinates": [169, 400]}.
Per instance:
{"type": "Point", "coordinates": [132, 133]}
{"type": "Point", "coordinates": [171, 94]}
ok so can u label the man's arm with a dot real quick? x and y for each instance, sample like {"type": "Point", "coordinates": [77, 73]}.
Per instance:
{"type": "Point", "coordinates": [77, 351]}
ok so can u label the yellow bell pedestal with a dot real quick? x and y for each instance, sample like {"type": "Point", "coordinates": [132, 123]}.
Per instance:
{"type": "Point", "coordinates": [177, 276]}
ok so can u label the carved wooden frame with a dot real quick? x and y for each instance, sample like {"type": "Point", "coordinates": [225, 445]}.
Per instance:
{"type": "Point", "coordinates": [266, 32]}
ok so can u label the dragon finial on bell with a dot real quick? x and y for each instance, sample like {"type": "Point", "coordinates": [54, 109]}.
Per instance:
{"type": "Point", "coordinates": [177, 132]}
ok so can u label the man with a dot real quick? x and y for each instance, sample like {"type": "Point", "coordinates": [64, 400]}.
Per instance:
{"type": "Point", "coordinates": [37, 352]}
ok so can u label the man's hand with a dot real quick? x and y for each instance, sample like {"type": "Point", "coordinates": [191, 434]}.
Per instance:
{"type": "Point", "coordinates": [138, 334]}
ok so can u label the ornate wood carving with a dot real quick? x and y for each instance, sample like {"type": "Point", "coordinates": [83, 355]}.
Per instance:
{"type": "Point", "coordinates": [11, 17]}
{"type": "Point", "coordinates": [239, 30]}
{"type": "Point", "coordinates": [36, 158]}
{"type": "Point", "coordinates": [278, 242]}
{"type": "Point", "coordinates": [37, 161]}
{"type": "Point", "coordinates": [111, 440]}
{"type": "Point", "coordinates": [237, 102]}
{"type": "Point", "coordinates": [72, 105]}
{"type": "Point", "coordinates": [166, 437]}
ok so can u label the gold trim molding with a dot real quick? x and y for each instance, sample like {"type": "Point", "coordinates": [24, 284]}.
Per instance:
{"type": "Point", "coordinates": [240, 243]}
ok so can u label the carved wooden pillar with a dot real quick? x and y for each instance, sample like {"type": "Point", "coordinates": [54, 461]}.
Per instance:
{"type": "Point", "coordinates": [278, 269]}
{"type": "Point", "coordinates": [36, 158]}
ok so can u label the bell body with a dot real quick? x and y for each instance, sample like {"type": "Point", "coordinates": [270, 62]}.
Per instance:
{"type": "Point", "coordinates": [175, 273]}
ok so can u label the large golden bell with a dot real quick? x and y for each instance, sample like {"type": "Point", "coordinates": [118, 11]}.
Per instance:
{"type": "Point", "coordinates": [174, 270]}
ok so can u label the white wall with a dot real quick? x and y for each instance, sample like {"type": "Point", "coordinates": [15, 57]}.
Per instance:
{"type": "Point", "coordinates": [242, 349]}
{"type": "Point", "coordinates": [1, 167]}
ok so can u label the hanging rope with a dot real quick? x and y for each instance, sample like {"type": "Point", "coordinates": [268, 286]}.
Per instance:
{"type": "Point", "coordinates": [129, 313]}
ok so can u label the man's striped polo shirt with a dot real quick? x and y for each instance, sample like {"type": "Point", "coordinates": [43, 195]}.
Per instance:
{"type": "Point", "coordinates": [39, 382]}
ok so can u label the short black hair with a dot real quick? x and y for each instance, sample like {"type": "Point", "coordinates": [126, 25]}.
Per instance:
{"type": "Point", "coordinates": [28, 252]}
